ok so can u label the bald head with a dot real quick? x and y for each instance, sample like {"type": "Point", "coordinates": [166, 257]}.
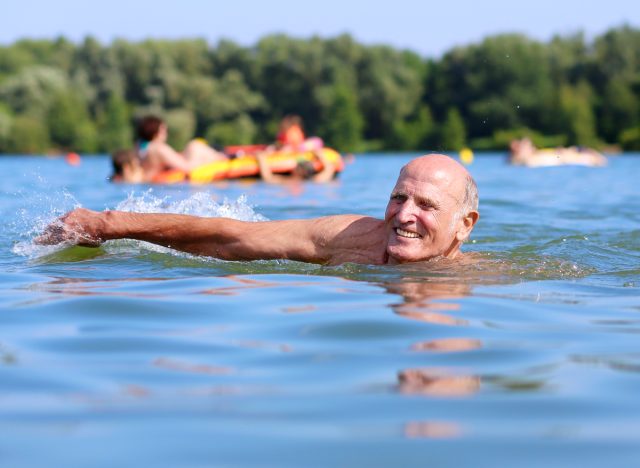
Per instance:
{"type": "Point", "coordinates": [431, 211]}
{"type": "Point", "coordinates": [452, 174]}
{"type": "Point", "coordinates": [437, 161]}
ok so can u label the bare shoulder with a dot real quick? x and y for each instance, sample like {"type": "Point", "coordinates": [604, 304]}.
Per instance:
{"type": "Point", "coordinates": [163, 149]}
{"type": "Point", "coordinates": [350, 238]}
{"type": "Point", "coordinates": [339, 223]}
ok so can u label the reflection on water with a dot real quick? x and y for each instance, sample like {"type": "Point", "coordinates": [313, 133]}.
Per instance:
{"type": "Point", "coordinates": [432, 430]}
{"type": "Point", "coordinates": [436, 383]}
{"type": "Point", "coordinates": [447, 345]}
{"type": "Point", "coordinates": [207, 369]}
{"type": "Point", "coordinates": [524, 353]}
{"type": "Point", "coordinates": [427, 301]}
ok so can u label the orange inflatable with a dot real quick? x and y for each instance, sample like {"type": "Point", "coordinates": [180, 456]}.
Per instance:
{"type": "Point", "coordinates": [247, 166]}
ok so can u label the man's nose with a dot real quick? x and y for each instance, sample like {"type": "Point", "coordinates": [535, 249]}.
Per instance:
{"type": "Point", "coordinates": [406, 212]}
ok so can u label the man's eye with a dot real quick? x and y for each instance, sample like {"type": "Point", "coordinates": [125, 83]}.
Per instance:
{"type": "Point", "coordinates": [425, 205]}
{"type": "Point", "coordinates": [398, 197]}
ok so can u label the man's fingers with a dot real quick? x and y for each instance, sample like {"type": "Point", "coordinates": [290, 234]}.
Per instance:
{"type": "Point", "coordinates": [76, 227]}
{"type": "Point", "coordinates": [53, 234]}
{"type": "Point", "coordinates": [65, 230]}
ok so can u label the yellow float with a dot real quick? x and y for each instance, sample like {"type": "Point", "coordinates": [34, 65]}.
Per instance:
{"type": "Point", "coordinates": [247, 166]}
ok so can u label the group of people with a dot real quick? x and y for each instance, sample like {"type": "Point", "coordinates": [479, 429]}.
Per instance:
{"type": "Point", "coordinates": [524, 153]}
{"type": "Point", "coordinates": [152, 155]}
{"type": "Point", "coordinates": [431, 212]}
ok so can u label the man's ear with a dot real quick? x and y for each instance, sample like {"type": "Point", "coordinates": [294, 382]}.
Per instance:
{"type": "Point", "coordinates": [466, 225]}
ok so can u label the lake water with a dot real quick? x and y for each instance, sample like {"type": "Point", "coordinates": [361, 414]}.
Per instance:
{"type": "Point", "coordinates": [135, 355]}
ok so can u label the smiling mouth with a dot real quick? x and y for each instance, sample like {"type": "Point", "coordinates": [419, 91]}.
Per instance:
{"type": "Point", "coordinates": [409, 234]}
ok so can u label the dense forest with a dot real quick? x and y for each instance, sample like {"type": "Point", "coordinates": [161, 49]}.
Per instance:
{"type": "Point", "coordinates": [56, 95]}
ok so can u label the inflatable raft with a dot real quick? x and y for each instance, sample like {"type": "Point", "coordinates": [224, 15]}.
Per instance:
{"type": "Point", "coordinates": [247, 166]}
{"type": "Point", "coordinates": [562, 157]}
{"type": "Point", "coordinates": [524, 153]}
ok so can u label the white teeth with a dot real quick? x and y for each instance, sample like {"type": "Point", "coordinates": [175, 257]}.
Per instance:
{"type": "Point", "coordinates": [403, 233]}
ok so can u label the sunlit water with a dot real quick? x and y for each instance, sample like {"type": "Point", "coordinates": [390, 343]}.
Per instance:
{"type": "Point", "coordinates": [136, 355]}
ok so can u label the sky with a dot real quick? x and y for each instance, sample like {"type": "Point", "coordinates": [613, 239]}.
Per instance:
{"type": "Point", "coordinates": [427, 27]}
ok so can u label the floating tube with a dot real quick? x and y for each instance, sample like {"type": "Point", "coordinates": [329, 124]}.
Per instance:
{"type": "Point", "coordinates": [247, 166]}
{"type": "Point", "coordinates": [244, 149]}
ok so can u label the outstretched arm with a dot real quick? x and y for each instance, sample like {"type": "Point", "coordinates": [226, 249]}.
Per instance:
{"type": "Point", "coordinates": [328, 169]}
{"type": "Point", "coordinates": [331, 239]}
{"type": "Point", "coordinates": [265, 171]}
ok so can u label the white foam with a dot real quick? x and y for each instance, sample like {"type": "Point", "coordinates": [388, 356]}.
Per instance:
{"type": "Point", "coordinates": [203, 204]}
{"type": "Point", "coordinates": [198, 204]}
{"type": "Point", "coordinates": [40, 209]}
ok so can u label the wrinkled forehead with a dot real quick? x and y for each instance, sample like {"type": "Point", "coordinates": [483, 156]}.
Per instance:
{"type": "Point", "coordinates": [431, 182]}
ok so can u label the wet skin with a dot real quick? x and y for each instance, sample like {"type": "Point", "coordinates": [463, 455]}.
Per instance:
{"type": "Point", "coordinates": [422, 221]}
{"type": "Point", "coordinates": [420, 217]}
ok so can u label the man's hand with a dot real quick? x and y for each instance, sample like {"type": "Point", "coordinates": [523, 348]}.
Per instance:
{"type": "Point", "coordinates": [80, 227]}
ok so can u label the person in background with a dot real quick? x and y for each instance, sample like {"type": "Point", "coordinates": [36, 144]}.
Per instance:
{"type": "Point", "coordinates": [156, 155]}
{"type": "Point", "coordinates": [127, 167]}
{"type": "Point", "coordinates": [291, 139]}
{"type": "Point", "coordinates": [524, 153]}
{"type": "Point", "coordinates": [291, 136]}
{"type": "Point", "coordinates": [304, 170]}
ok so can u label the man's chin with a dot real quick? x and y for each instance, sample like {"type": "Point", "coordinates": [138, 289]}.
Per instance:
{"type": "Point", "coordinates": [401, 255]}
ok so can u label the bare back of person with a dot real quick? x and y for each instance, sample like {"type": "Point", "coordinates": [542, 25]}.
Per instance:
{"type": "Point", "coordinates": [157, 155]}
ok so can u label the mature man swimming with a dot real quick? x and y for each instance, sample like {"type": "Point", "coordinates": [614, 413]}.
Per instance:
{"type": "Point", "coordinates": [431, 212]}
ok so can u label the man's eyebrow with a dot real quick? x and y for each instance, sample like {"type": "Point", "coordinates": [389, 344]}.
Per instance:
{"type": "Point", "coordinates": [429, 200]}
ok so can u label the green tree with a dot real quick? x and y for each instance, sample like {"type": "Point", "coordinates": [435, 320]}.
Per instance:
{"type": "Point", "coordinates": [135, 64]}
{"type": "Point", "coordinates": [351, 94]}
{"type": "Point", "coordinates": [115, 125]}
{"type": "Point", "coordinates": [239, 131]}
{"type": "Point", "coordinates": [6, 122]}
{"type": "Point", "coordinates": [86, 137]}
{"type": "Point", "coordinates": [289, 70]}
{"type": "Point", "coordinates": [453, 133]}
{"type": "Point", "coordinates": [182, 126]}
{"type": "Point", "coordinates": [30, 90]}
{"type": "Point", "coordinates": [578, 114]}
{"type": "Point", "coordinates": [28, 136]}
{"type": "Point", "coordinates": [69, 124]}
{"type": "Point", "coordinates": [617, 54]}
{"type": "Point", "coordinates": [415, 132]}
{"type": "Point", "coordinates": [341, 123]}
{"type": "Point", "coordinates": [391, 85]}
{"type": "Point", "coordinates": [99, 73]}
{"type": "Point", "coordinates": [568, 57]}
{"type": "Point", "coordinates": [630, 139]}
{"type": "Point", "coordinates": [503, 82]}
{"type": "Point", "coordinates": [619, 109]}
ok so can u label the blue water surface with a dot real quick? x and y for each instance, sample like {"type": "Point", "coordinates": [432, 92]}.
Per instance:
{"type": "Point", "coordinates": [135, 355]}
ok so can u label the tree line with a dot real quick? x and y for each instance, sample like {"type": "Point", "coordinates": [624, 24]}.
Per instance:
{"type": "Point", "coordinates": [56, 95]}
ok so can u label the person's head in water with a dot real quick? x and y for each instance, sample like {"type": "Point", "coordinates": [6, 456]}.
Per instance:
{"type": "Point", "coordinates": [289, 121]}
{"type": "Point", "coordinates": [431, 211]}
{"type": "Point", "coordinates": [304, 170]}
{"type": "Point", "coordinates": [290, 132]}
{"type": "Point", "coordinates": [150, 127]}
{"type": "Point", "coordinates": [126, 166]}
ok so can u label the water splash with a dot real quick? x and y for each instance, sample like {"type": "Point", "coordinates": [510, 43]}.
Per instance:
{"type": "Point", "coordinates": [33, 220]}
{"type": "Point", "coordinates": [40, 209]}
{"type": "Point", "coordinates": [199, 204]}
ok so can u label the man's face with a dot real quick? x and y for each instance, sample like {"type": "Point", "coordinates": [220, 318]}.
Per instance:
{"type": "Point", "coordinates": [420, 214]}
